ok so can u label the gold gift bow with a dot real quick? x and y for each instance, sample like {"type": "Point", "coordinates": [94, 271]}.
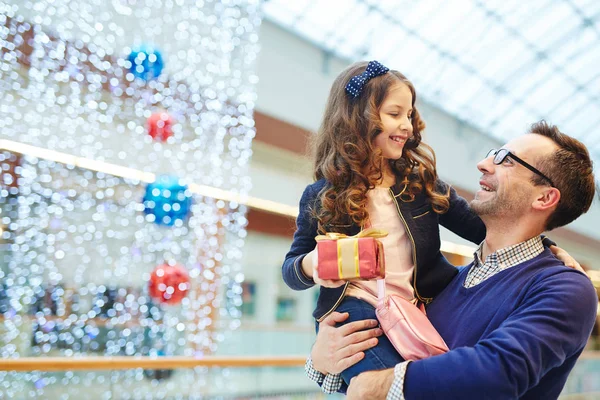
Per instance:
{"type": "Point", "coordinates": [371, 232]}
{"type": "Point", "coordinates": [349, 258]}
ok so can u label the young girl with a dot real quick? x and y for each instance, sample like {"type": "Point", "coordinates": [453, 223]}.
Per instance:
{"type": "Point", "coordinates": [372, 170]}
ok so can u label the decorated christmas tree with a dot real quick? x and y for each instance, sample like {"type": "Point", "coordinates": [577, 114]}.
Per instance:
{"type": "Point", "coordinates": [125, 133]}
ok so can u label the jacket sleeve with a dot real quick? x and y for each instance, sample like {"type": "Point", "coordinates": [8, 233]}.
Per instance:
{"type": "Point", "coordinates": [459, 218]}
{"type": "Point", "coordinates": [304, 242]}
{"type": "Point", "coordinates": [551, 326]}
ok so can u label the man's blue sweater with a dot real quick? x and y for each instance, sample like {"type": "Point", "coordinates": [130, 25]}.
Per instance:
{"type": "Point", "coordinates": [516, 335]}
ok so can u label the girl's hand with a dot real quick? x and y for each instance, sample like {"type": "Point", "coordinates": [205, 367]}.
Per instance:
{"type": "Point", "coordinates": [329, 283]}
{"type": "Point", "coordinates": [309, 267]}
{"type": "Point", "coordinates": [566, 258]}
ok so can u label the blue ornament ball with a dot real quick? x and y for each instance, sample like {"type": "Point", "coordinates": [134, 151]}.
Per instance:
{"type": "Point", "coordinates": [168, 200]}
{"type": "Point", "coordinates": [146, 63]}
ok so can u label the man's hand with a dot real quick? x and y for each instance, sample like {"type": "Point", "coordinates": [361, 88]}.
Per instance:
{"type": "Point", "coordinates": [371, 385]}
{"type": "Point", "coordinates": [566, 258]}
{"type": "Point", "coordinates": [336, 349]}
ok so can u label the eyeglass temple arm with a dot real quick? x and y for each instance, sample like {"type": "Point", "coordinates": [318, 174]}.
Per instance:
{"type": "Point", "coordinates": [529, 167]}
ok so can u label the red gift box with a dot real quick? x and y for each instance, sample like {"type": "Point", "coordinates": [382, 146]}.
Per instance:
{"type": "Point", "coordinates": [351, 257]}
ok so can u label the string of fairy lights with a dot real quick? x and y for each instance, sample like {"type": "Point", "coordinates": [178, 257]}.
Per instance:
{"type": "Point", "coordinates": [98, 263]}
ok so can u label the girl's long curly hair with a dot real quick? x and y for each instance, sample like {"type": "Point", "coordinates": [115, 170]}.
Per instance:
{"type": "Point", "coordinates": [346, 157]}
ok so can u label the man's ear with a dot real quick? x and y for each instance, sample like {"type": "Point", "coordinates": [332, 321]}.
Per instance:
{"type": "Point", "coordinates": [547, 199]}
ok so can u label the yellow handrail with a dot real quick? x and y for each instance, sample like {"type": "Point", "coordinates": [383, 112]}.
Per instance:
{"type": "Point", "coordinates": [131, 173]}
{"type": "Point", "coordinates": [97, 363]}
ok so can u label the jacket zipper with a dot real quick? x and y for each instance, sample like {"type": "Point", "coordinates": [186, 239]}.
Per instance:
{"type": "Point", "coordinates": [425, 300]}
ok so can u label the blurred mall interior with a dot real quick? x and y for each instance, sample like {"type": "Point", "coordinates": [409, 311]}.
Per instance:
{"type": "Point", "coordinates": [147, 144]}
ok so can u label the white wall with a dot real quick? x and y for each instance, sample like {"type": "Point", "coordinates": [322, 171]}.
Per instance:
{"type": "Point", "coordinates": [277, 174]}
{"type": "Point", "coordinates": [261, 262]}
{"type": "Point", "coordinates": [294, 77]}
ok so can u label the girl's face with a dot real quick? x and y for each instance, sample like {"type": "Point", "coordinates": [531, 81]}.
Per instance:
{"type": "Point", "coordinates": [396, 118]}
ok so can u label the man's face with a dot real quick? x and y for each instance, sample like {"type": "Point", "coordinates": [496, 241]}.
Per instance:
{"type": "Point", "coordinates": [507, 189]}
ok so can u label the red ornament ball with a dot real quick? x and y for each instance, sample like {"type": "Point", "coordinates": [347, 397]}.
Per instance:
{"type": "Point", "coordinates": [160, 126]}
{"type": "Point", "coordinates": [169, 284]}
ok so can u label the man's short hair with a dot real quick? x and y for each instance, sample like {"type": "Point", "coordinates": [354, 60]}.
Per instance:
{"type": "Point", "coordinates": [571, 170]}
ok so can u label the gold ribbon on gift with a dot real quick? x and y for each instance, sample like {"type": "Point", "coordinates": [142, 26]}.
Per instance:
{"type": "Point", "coordinates": [371, 232]}
{"type": "Point", "coordinates": [347, 250]}
{"type": "Point", "coordinates": [348, 262]}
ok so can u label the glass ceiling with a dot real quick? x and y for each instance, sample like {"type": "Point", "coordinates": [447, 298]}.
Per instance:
{"type": "Point", "coordinates": [496, 64]}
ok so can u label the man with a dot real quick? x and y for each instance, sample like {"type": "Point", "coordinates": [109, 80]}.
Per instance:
{"type": "Point", "coordinates": [516, 319]}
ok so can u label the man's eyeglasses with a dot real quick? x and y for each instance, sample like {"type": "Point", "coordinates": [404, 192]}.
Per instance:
{"type": "Point", "coordinates": [501, 155]}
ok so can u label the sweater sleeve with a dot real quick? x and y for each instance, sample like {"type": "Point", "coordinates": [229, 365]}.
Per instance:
{"type": "Point", "coordinates": [304, 242]}
{"type": "Point", "coordinates": [459, 218]}
{"type": "Point", "coordinates": [552, 324]}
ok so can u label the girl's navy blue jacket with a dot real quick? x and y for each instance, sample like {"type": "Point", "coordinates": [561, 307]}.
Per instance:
{"type": "Point", "coordinates": [432, 271]}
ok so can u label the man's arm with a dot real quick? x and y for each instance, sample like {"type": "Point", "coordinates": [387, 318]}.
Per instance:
{"type": "Point", "coordinates": [552, 324]}
{"type": "Point", "coordinates": [379, 385]}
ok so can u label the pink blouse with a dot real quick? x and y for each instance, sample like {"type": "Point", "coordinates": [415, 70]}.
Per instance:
{"type": "Point", "coordinates": [397, 249]}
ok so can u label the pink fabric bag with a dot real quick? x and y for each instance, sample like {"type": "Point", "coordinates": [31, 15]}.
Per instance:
{"type": "Point", "coordinates": [407, 326]}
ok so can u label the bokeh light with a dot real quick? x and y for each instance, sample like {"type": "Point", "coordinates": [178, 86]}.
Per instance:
{"type": "Point", "coordinates": [77, 245]}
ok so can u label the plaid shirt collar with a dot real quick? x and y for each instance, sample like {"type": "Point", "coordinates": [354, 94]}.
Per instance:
{"type": "Point", "coordinates": [502, 259]}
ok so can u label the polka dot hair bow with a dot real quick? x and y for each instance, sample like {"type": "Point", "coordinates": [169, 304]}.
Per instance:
{"type": "Point", "coordinates": [356, 84]}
